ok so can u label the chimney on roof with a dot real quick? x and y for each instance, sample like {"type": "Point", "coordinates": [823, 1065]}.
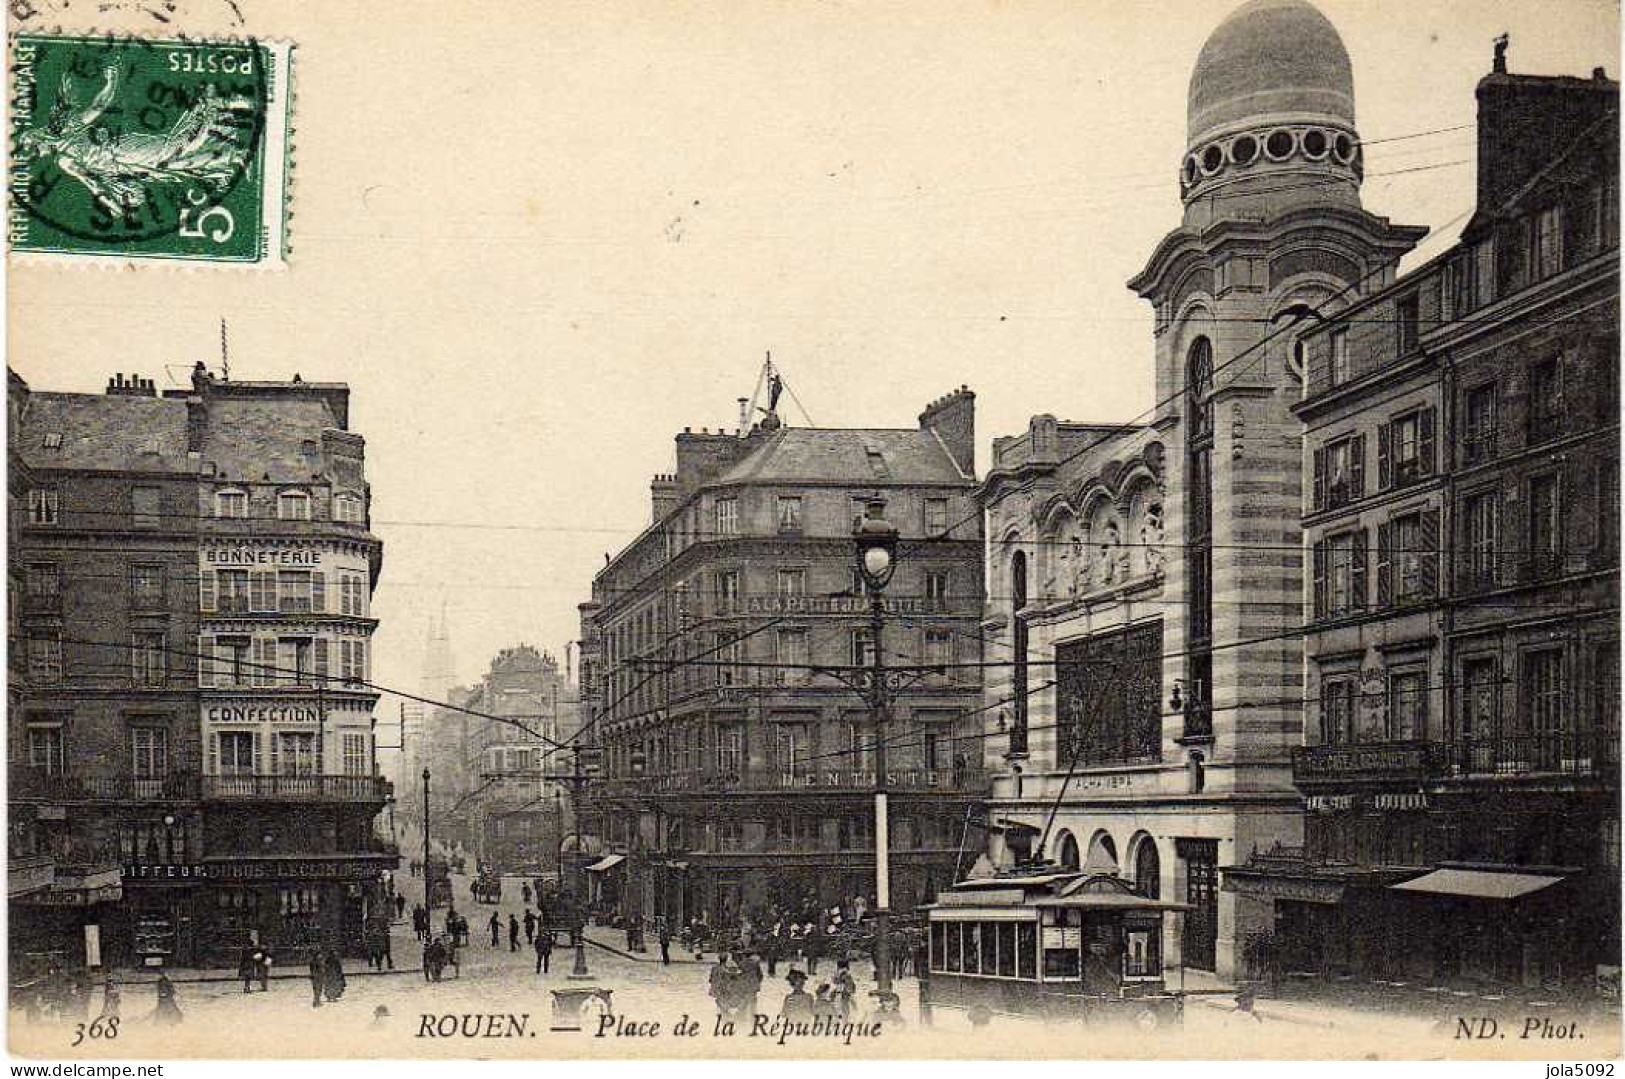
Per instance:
{"type": "Point", "coordinates": [953, 420]}
{"type": "Point", "coordinates": [662, 496]}
{"type": "Point", "coordinates": [1499, 66]}
{"type": "Point", "coordinates": [133, 386]}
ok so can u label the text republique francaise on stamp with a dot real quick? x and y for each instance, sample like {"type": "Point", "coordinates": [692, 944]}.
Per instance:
{"type": "Point", "coordinates": [129, 148]}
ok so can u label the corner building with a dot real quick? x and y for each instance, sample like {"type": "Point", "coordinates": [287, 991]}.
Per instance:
{"type": "Point", "coordinates": [738, 778]}
{"type": "Point", "coordinates": [1130, 562]}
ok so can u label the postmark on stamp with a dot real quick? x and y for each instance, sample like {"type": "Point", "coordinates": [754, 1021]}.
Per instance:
{"type": "Point", "coordinates": [128, 148]}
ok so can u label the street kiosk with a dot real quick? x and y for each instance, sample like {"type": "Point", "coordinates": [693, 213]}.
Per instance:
{"type": "Point", "coordinates": [1053, 944]}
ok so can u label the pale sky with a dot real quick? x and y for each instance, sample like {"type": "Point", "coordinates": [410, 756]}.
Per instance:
{"type": "Point", "coordinates": [539, 241]}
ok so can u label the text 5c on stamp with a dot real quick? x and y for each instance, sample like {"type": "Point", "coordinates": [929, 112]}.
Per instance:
{"type": "Point", "coordinates": [126, 148]}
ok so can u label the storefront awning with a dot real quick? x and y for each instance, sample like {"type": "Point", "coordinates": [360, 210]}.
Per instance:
{"type": "Point", "coordinates": [604, 865]}
{"type": "Point", "coordinates": [1477, 884]}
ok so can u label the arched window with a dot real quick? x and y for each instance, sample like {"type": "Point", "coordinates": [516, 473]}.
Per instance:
{"type": "Point", "coordinates": [1199, 376]}
{"type": "Point", "coordinates": [1067, 851]}
{"type": "Point", "coordinates": [347, 507]}
{"type": "Point", "coordinates": [1018, 600]}
{"type": "Point", "coordinates": [293, 506]}
{"type": "Point", "coordinates": [1147, 869]}
{"type": "Point", "coordinates": [231, 502]}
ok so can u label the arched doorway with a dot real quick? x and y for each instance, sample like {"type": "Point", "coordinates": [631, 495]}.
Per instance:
{"type": "Point", "coordinates": [1147, 869]}
{"type": "Point", "coordinates": [1018, 600]}
{"type": "Point", "coordinates": [1067, 851]}
{"type": "Point", "coordinates": [1102, 852]}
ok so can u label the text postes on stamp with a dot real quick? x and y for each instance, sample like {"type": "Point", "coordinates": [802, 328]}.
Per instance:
{"type": "Point", "coordinates": [127, 148]}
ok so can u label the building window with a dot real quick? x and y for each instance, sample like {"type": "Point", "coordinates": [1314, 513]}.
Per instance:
{"type": "Point", "coordinates": [863, 648]}
{"type": "Point", "coordinates": [1108, 697]}
{"type": "Point", "coordinates": [1478, 434]}
{"type": "Point", "coordinates": [231, 503]}
{"type": "Point", "coordinates": [148, 666]}
{"type": "Point", "coordinates": [144, 506]}
{"type": "Point", "coordinates": [1544, 692]}
{"type": "Point", "coordinates": [791, 656]}
{"type": "Point", "coordinates": [1339, 472]}
{"type": "Point", "coordinates": [295, 754]}
{"type": "Point", "coordinates": [1340, 568]}
{"type": "Point", "coordinates": [1548, 242]}
{"type": "Point", "coordinates": [353, 661]}
{"type": "Point", "coordinates": [1405, 448]}
{"type": "Point", "coordinates": [1408, 312]}
{"type": "Point", "coordinates": [1545, 524]}
{"type": "Point", "coordinates": [1340, 356]}
{"type": "Point", "coordinates": [236, 752]}
{"type": "Point", "coordinates": [293, 506]}
{"type": "Point", "coordinates": [147, 587]}
{"type": "Point", "coordinates": [939, 649]}
{"type": "Point", "coordinates": [347, 508]}
{"type": "Point", "coordinates": [1407, 558]}
{"type": "Point", "coordinates": [44, 581]}
{"type": "Point", "coordinates": [789, 515]}
{"type": "Point", "coordinates": [1481, 513]}
{"type": "Point", "coordinates": [353, 594]}
{"type": "Point", "coordinates": [792, 582]}
{"type": "Point", "coordinates": [793, 748]}
{"type": "Point", "coordinates": [936, 516]}
{"type": "Point", "coordinates": [149, 752]}
{"type": "Point", "coordinates": [936, 587]}
{"type": "Point", "coordinates": [1337, 711]}
{"type": "Point", "coordinates": [1480, 700]}
{"type": "Point", "coordinates": [1199, 387]}
{"type": "Point", "coordinates": [234, 593]}
{"type": "Point", "coordinates": [42, 506]}
{"type": "Point", "coordinates": [1407, 706]}
{"type": "Point", "coordinates": [355, 756]}
{"type": "Point", "coordinates": [294, 591]}
{"type": "Point", "coordinates": [727, 590]}
{"type": "Point", "coordinates": [727, 516]}
{"type": "Point", "coordinates": [45, 658]}
{"type": "Point", "coordinates": [1545, 400]}
{"type": "Point", "coordinates": [730, 748]}
{"type": "Point", "coordinates": [45, 748]}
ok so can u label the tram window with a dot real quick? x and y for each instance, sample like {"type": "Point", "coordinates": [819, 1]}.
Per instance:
{"type": "Point", "coordinates": [973, 948]}
{"type": "Point", "coordinates": [1026, 950]}
{"type": "Point", "coordinates": [990, 957]}
{"type": "Point", "coordinates": [939, 946]}
{"type": "Point", "coordinates": [1060, 962]}
{"type": "Point", "coordinates": [956, 932]}
{"type": "Point", "coordinates": [1007, 949]}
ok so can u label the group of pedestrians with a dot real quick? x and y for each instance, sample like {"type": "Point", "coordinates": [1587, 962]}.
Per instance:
{"type": "Point", "coordinates": [326, 976]}
{"type": "Point", "coordinates": [736, 983]}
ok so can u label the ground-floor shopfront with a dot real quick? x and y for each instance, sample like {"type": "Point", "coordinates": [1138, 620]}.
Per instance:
{"type": "Point", "coordinates": [71, 925]}
{"type": "Point", "coordinates": [1166, 849]}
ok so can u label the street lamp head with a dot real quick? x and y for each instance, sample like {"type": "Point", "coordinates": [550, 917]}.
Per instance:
{"type": "Point", "coordinates": [876, 540]}
{"type": "Point", "coordinates": [425, 775]}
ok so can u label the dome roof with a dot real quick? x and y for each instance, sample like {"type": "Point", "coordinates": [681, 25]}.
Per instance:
{"type": "Point", "coordinates": [1271, 61]}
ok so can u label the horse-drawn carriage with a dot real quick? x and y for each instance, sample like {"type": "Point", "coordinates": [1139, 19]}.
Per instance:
{"type": "Point", "coordinates": [487, 886]}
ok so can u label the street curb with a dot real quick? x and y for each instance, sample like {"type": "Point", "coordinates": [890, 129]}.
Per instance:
{"type": "Point", "coordinates": [1271, 1015]}
{"type": "Point", "coordinates": [217, 979]}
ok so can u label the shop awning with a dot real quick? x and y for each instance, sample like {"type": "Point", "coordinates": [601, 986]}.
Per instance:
{"type": "Point", "coordinates": [1477, 884]}
{"type": "Point", "coordinates": [604, 865]}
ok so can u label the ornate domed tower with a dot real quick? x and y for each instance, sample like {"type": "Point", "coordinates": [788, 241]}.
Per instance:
{"type": "Point", "coordinates": [1273, 231]}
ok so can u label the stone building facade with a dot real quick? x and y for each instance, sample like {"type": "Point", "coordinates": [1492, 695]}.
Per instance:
{"type": "Point", "coordinates": [1461, 757]}
{"type": "Point", "coordinates": [197, 739]}
{"type": "Point", "coordinates": [737, 776]}
{"type": "Point", "coordinates": [1172, 681]}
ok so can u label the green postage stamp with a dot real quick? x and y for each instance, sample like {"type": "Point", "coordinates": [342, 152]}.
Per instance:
{"type": "Point", "coordinates": [127, 148]}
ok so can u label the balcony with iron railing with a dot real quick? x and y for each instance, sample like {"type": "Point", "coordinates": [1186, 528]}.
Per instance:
{"type": "Point", "coordinates": [35, 785]}
{"type": "Point", "coordinates": [296, 788]}
{"type": "Point", "coordinates": [1589, 754]}
{"type": "Point", "coordinates": [804, 779]}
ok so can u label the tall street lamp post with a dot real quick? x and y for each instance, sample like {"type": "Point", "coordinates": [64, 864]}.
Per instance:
{"type": "Point", "coordinates": [428, 891]}
{"type": "Point", "coordinates": [876, 540]}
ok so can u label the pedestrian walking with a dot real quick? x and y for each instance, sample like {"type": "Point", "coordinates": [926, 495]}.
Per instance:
{"type": "Point", "coordinates": [168, 1011]}
{"type": "Point", "coordinates": [246, 968]}
{"type": "Point", "coordinates": [513, 933]}
{"type": "Point", "coordinates": [385, 944]}
{"type": "Point", "coordinates": [110, 1000]}
{"type": "Point", "coordinates": [318, 971]}
{"type": "Point", "coordinates": [814, 946]}
{"type": "Point", "coordinates": [453, 958]}
{"type": "Point", "coordinates": [400, 906]}
{"type": "Point", "coordinates": [530, 921]}
{"type": "Point", "coordinates": [434, 959]}
{"type": "Point", "coordinates": [544, 951]}
{"type": "Point", "coordinates": [664, 930]}
{"type": "Point", "coordinates": [750, 973]}
{"type": "Point", "coordinates": [333, 977]}
{"type": "Point", "coordinates": [264, 971]}
{"type": "Point", "coordinates": [718, 980]}
{"type": "Point", "coordinates": [846, 989]}
{"type": "Point", "coordinates": [495, 926]}
{"type": "Point", "coordinates": [524, 892]}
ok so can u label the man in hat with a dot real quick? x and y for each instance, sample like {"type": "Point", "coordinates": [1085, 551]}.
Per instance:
{"type": "Point", "coordinates": [797, 1004]}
